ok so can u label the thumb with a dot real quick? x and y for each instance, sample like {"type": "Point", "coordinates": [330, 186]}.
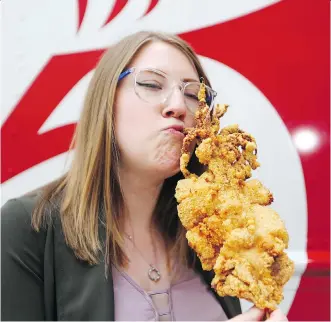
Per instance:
{"type": "Point", "coordinates": [277, 315]}
{"type": "Point", "coordinates": [253, 314]}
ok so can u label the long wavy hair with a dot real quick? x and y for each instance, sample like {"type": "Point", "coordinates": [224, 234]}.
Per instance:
{"type": "Point", "coordinates": [89, 195]}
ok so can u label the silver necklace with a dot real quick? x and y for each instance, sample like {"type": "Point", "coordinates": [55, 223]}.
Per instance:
{"type": "Point", "coordinates": [153, 273]}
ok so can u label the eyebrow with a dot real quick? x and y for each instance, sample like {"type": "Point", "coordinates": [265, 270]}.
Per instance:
{"type": "Point", "coordinates": [189, 80]}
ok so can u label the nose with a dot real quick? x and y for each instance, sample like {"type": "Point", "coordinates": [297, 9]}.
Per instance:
{"type": "Point", "coordinates": [174, 105]}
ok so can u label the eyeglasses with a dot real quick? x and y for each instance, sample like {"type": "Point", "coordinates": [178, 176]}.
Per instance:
{"type": "Point", "coordinates": [154, 86]}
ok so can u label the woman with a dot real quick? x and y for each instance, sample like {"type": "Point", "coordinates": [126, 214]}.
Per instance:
{"type": "Point", "coordinates": [105, 241]}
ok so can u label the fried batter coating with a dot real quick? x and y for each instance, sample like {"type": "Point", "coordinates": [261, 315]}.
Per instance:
{"type": "Point", "coordinates": [227, 218]}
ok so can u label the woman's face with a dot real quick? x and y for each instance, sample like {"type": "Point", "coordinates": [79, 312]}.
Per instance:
{"type": "Point", "coordinates": [147, 133]}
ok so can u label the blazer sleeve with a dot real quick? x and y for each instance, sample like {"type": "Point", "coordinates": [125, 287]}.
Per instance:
{"type": "Point", "coordinates": [21, 264]}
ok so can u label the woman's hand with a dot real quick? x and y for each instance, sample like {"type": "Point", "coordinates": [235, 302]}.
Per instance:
{"type": "Point", "coordinates": [255, 314]}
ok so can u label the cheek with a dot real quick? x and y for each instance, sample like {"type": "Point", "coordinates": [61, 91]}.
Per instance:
{"type": "Point", "coordinates": [189, 120]}
{"type": "Point", "coordinates": [167, 149]}
{"type": "Point", "coordinates": [124, 107]}
{"type": "Point", "coordinates": [133, 123]}
{"type": "Point", "coordinates": [126, 112]}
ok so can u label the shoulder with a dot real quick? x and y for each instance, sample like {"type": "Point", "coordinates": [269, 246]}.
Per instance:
{"type": "Point", "coordinates": [25, 277]}
{"type": "Point", "coordinates": [18, 206]}
{"type": "Point", "coordinates": [18, 238]}
{"type": "Point", "coordinates": [17, 213]}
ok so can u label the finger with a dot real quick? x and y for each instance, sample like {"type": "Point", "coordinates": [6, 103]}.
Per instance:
{"type": "Point", "coordinates": [277, 315]}
{"type": "Point", "coordinates": [253, 314]}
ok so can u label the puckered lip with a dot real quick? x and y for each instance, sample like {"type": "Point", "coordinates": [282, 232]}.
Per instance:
{"type": "Point", "coordinates": [176, 127]}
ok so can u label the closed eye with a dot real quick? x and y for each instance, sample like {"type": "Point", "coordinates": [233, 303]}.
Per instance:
{"type": "Point", "coordinates": [192, 96]}
{"type": "Point", "coordinates": [149, 85]}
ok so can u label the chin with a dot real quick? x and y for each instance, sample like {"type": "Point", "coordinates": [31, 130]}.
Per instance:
{"type": "Point", "coordinates": [166, 167]}
{"type": "Point", "coordinates": [168, 170]}
{"type": "Point", "coordinates": [166, 161]}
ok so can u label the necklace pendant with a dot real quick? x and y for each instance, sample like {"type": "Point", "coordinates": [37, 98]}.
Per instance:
{"type": "Point", "coordinates": [154, 274]}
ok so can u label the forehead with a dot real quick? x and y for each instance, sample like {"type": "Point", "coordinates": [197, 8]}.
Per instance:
{"type": "Point", "coordinates": [167, 58]}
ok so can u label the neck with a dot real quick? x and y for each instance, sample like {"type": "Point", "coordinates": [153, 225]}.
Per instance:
{"type": "Point", "coordinates": [140, 197]}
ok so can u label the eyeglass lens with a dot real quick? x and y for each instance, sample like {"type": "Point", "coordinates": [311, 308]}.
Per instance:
{"type": "Point", "coordinates": [154, 87]}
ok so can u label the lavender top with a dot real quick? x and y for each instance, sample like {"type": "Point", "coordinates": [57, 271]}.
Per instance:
{"type": "Point", "coordinates": [187, 299]}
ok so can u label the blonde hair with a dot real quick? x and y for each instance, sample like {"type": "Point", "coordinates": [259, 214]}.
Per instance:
{"type": "Point", "coordinates": [89, 194]}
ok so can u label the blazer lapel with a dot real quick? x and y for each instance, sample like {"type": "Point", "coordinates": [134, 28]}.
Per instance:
{"type": "Point", "coordinates": [82, 291]}
{"type": "Point", "coordinates": [230, 305]}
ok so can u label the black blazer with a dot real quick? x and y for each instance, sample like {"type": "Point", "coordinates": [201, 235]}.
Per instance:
{"type": "Point", "coordinates": [41, 279]}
